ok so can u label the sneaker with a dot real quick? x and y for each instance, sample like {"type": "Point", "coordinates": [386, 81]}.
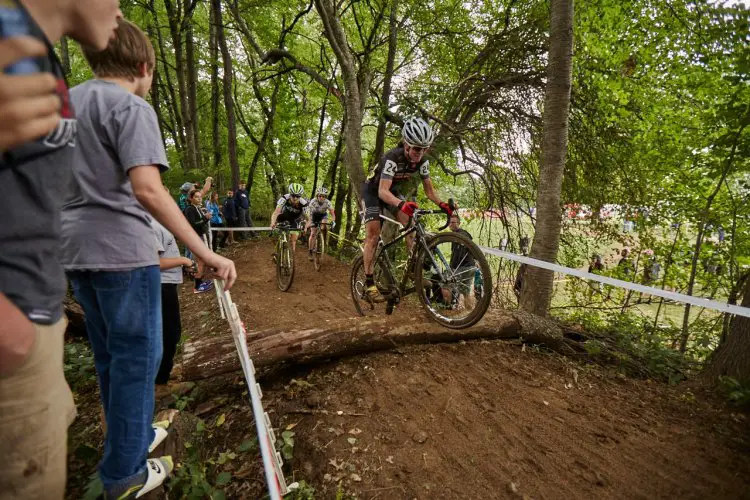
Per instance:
{"type": "Point", "coordinates": [374, 295]}
{"type": "Point", "coordinates": [274, 257]}
{"type": "Point", "coordinates": [205, 286]}
{"type": "Point", "coordinates": [160, 434]}
{"type": "Point", "coordinates": [157, 470]}
{"type": "Point", "coordinates": [310, 255]}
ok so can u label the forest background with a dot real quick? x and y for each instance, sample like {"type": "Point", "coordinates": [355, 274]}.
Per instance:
{"type": "Point", "coordinates": [268, 92]}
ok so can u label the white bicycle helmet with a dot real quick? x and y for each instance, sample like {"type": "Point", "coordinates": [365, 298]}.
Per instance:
{"type": "Point", "coordinates": [321, 190]}
{"type": "Point", "coordinates": [417, 132]}
{"type": "Point", "coordinates": [296, 189]}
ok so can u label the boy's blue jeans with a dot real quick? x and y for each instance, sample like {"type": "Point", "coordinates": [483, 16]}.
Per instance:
{"type": "Point", "coordinates": [123, 322]}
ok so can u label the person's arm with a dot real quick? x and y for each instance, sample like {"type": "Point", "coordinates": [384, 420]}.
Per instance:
{"type": "Point", "coordinates": [384, 192]}
{"type": "Point", "coordinates": [206, 186]}
{"type": "Point", "coordinates": [172, 262]}
{"type": "Point", "coordinates": [275, 215]}
{"type": "Point", "coordinates": [156, 200]}
{"type": "Point", "coordinates": [29, 107]}
{"type": "Point", "coordinates": [17, 337]}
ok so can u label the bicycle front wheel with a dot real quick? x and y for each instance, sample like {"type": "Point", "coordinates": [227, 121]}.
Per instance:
{"type": "Point", "coordinates": [284, 266]}
{"type": "Point", "coordinates": [445, 277]}
{"type": "Point", "coordinates": [320, 249]}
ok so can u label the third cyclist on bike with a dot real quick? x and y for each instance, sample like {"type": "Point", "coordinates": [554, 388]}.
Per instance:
{"type": "Point", "coordinates": [319, 209]}
{"type": "Point", "coordinates": [291, 209]}
{"type": "Point", "coordinates": [382, 191]}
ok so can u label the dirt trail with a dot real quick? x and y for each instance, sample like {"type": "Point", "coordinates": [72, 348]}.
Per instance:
{"type": "Point", "coordinates": [467, 420]}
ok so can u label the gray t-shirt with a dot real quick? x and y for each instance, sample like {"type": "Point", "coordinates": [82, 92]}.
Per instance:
{"type": "Point", "coordinates": [167, 247]}
{"type": "Point", "coordinates": [104, 227]}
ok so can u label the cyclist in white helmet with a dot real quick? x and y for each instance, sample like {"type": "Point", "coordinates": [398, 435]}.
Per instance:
{"type": "Point", "coordinates": [319, 208]}
{"type": "Point", "coordinates": [291, 208]}
{"type": "Point", "coordinates": [382, 191]}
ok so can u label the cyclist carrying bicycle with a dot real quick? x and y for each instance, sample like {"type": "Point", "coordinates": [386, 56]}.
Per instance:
{"type": "Point", "coordinates": [319, 208]}
{"type": "Point", "coordinates": [382, 191]}
{"type": "Point", "coordinates": [291, 209]}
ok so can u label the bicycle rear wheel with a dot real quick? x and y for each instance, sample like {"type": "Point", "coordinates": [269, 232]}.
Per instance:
{"type": "Point", "coordinates": [320, 249]}
{"type": "Point", "coordinates": [284, 266]}
{"type": "Point", "coordinates": [357, 281]}
{"type": "Point", "coordinates": [445, 280]}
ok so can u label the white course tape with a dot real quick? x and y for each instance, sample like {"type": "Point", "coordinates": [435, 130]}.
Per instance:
{"type": "Point", "coordinates": [679, 297]}
{"type": "Point", "coordinates": [234, 229]}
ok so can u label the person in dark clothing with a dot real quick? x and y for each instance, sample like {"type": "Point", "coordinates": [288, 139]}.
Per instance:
{"type": "Point", "coordinates": [463, 264]}
{"type": "Point", "coordinates": [199, 221]}
{"type": "Point", "coordinates": [230, 214]}
{"type": "Point", "coordinates": [242, 203]}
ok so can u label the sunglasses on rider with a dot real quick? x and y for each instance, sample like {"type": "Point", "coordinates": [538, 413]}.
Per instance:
{"type": "Point", "coordinates": [416, 149]}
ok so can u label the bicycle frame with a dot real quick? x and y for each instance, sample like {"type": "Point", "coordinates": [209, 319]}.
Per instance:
{"type": "Point", "coordinates": [421, 242]}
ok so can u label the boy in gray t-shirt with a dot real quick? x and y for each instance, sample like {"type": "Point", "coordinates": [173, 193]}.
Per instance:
{"type": "Point", "coordinates": [110, 253]}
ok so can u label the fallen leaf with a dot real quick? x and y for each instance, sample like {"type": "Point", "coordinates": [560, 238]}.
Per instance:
{"type": "Point", "coordinates": [355, 477]}
{"type": "Point", "coordinates": [220, 421]}
{"type": "Point", "coordinates": [352, 441]}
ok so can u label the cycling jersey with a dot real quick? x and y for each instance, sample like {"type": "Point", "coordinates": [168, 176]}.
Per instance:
{"type": "Point", "coordinates": [395, 166]}
{"type": "Point", "coordinates": [320, 207]}
{"type": "Point", "coordinates": [289, 211]}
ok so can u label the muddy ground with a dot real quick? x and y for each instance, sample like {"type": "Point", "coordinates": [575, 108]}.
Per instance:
{"type": "Point", "coordinates": [468, 420]}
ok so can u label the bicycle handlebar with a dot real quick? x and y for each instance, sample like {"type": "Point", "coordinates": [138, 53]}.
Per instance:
{"type": "Point", "coordinates": [419, 212]}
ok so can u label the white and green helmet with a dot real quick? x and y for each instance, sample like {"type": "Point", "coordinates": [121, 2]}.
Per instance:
{"type": "Point", "coordinates": [417, 132]}
{"type": "Point", "coordinates": [296, 189]}
{"type": "Point", "coordinates": [321, 190]}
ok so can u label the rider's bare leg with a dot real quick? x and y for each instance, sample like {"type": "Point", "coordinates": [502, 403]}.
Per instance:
{"type": "Point", "coordinates": [404, 219]}
{"type": "Point", "coordinates": [372, 232]}
{"type": "Point", "coordinates": [293, 238]}
{"type": "Point", "coordinates": [311, 241]}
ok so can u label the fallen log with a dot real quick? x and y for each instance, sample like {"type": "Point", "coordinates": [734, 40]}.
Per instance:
{"type": "Point", "coordinates": [279, 347]}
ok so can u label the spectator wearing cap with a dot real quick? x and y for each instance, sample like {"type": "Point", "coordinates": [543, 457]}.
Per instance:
{"type": "Point", "coordinates": [185, 189]}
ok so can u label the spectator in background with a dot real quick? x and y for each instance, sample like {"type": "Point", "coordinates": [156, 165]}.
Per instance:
{"type": "Point", "coordinates": [212, 206]}
{"type": "Point", "coordinates": [518, 283]}
{"type": "Point", "coordinates": [650, 274]}
{"type": "Point", "coordinates": [185, 189]}
{"type": "Point", "coordinates": [171, 277]}
{"type": "Point", "coordinates": [596, 266]}
{"type": "Point", "coordinates": [230, 215]}
{"type": "Point", "coordinates": [242, 202]}
{"type": "Point", "coordinates": [464, 267]}
{"type": "Point", "coordinates": [198, 219]}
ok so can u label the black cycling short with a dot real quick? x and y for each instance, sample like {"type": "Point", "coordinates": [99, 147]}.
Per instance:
{"type": "Point", "coordinates": [373, 206]}
{"type": "Point", "coordinates": [294, 222]}
{"type": "Point", "coordinates": [318, 218]}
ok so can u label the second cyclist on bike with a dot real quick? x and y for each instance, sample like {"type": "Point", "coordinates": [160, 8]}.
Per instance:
{"type": "Point", "coordinates": [291, 209]}
{"type": "Point", "coordinates": [382, 191]}
{"type": "Point", "coordinates": [319, 209]}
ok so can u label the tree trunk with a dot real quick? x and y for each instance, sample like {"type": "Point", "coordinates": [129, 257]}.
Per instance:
{"type": "Point", "coordinates": [536, 294]}
{"type": "Point", "coordinates": [318, 142]}
{"type": "Point", "coordinates": [275, 347]}
{"type": "Point", "coordinates": [213, 54]}
{"type": "Point", "coordinates": [65, 56]}
{"type": "Point", "coordinates": [356, 84]}
{"type": "Point", "coordinates": [178, 133]}
{"type": "Point", "coordinates": [732, 357]}
{"type": "Point", "coordinates": [228, 100]}
{"type": "Point", "coordinates": [728, 164]}
{"type": "Point", "coordinates": [338, 206]}
{"type": "Point", "coordinates": [174, 13]}
{"type": "Point", "coordinates": [192, 124]}
{"type": "Point", "coordinates": [385, 97]}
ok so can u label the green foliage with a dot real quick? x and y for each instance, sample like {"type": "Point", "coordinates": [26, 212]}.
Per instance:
{"type": "Point", "coordinates": [735, 392]}
{"type": "Point", "coordinates": [78, 366]}
{"type": "Point", "coordinates": [303, 491]}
